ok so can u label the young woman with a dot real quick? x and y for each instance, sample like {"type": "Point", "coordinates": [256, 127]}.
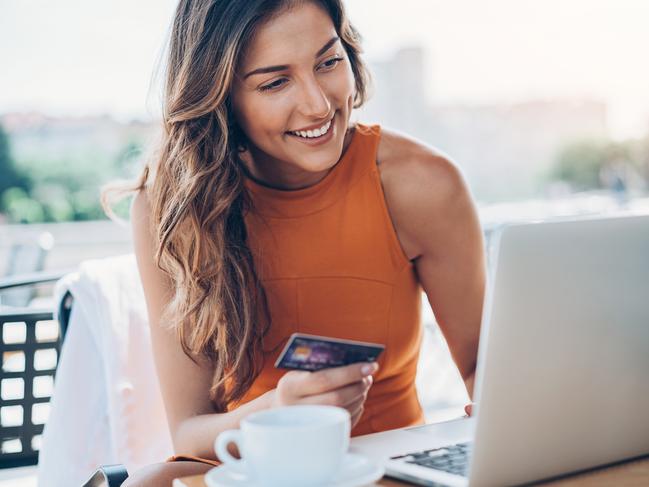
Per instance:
{"type": "Point", "coordinates": [268, 212]}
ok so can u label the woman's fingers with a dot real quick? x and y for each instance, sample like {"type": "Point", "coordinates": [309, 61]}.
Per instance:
{"type": "Point", "coordinates": [313, 383]}
{"type": "Point", "coordinates": [341, 397]}
{"type": "Point", "coordinates": [468, 409]}
{"type": "Point", "coordinates": [356, 416]}
{"type": "Point", "coordinates": [353, 406]}
{"type": "Point", "coordinates": [338, 386]}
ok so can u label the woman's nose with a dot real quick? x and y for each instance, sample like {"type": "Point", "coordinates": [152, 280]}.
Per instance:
{"type": "Point", "coordinates": [314, 103]}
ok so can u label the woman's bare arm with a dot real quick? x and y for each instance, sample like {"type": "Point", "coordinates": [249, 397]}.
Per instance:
{"type": "Point", "coordinates": [451, 264]}
{"type": "Point", "coordinates": [184, 385]}
{"type": "Point", "coordinates": [438, 227]}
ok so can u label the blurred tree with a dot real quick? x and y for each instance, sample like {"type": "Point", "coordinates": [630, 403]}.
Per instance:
{"type": "Point", "coordinates": [20, 208]}
{"type": "Point", "coordinates": [603, 164]}
{"type": "Point", "coordinates": [67, 188]}
{"type": "Point", "coordinates": [86, 205]}
{"type": "Point", "coordinates": [55, 201]}
{"type": "Point", "coordinates": [579, 164]}
{"type": "Point", "coordinates": [10, 176]}
{"type": "Point", "coordinates": [63, 173]}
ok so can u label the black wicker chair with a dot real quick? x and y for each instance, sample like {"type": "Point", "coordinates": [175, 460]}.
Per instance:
{"type": "Point", "coordinates": [21, 335]}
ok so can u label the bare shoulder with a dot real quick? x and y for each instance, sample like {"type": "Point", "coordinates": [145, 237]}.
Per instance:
{"type": "Point", "coordinates": [142, 229]}
{"type": "Point", "coordinates": [408, 164]}
{"type": "Point", "coordinates": [144, 244]}
{"type": "Point", "coordinates": [421, 186]}
{"type": "Point", "coordinates": [140, 212]}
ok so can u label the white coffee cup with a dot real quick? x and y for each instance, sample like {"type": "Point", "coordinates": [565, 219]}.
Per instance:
{"type": "Point", "coordinates": [289, 446]}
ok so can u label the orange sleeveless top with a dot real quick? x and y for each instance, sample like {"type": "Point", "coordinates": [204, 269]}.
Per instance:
{"type": "Point", "coordinates": [331, 264]}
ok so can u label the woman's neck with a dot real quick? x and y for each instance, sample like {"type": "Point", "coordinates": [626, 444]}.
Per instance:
{"type": "Point", "coordinates": [281, 175]}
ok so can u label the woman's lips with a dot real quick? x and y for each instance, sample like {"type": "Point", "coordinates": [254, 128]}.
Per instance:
{"type": "Point", "coordinates": [314, 141]}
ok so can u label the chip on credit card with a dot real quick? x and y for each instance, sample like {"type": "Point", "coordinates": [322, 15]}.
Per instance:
{"type": "Point", "coordinates": [313, 352]}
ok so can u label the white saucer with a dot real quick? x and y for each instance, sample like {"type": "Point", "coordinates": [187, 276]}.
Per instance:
{"type": "Point", "coordinates": [355, 471]}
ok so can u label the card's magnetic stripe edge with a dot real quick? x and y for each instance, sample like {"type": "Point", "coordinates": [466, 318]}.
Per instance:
{"type": "Point", "coordinates": [339, 340]}
{"type": "Point", "coordinates": [284, 350]}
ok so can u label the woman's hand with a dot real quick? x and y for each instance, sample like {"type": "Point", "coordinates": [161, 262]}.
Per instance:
{"type": "Point", "coordinates": [345, 387]}
{"type": "Point", "coordinates": [468, 409]}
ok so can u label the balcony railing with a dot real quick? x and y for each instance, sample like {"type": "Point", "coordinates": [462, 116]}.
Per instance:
{"type": "Point", "coordinates": [30, 343]}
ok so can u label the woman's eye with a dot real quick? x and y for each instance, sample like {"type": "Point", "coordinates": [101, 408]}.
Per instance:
{"type": "Point", "coordinates": [329, 64]}
{"type": "Point", "coordinates": [332, 62]}
{"type": "Point", "coordinates": [271, 86]}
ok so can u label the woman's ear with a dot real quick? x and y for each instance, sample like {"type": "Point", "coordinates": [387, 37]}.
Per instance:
{"type": "Point", "coordinates": [235, 132]}
{"type": "Point", "coordinates": [241, 139]}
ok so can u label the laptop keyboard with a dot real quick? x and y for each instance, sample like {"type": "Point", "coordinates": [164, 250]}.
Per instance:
{"type": "Point", "coordinates": [452, 459]}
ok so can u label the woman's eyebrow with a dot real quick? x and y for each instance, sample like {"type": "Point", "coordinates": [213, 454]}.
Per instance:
{"type": "Point", "coordinates": [283, 67]}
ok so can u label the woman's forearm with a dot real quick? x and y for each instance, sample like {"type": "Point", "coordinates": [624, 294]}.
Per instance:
{"type": "Point", "coordinates": [195, 436]}
{"type": "Point", "coordinates": [469, 382]}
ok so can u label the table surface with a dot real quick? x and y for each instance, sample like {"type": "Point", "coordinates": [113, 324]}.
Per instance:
{"type": "Point", "coordinates": [630, 474]}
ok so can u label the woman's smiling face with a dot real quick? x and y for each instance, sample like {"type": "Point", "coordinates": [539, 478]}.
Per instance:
{"type": "Point", "coordinates": [309, 84]}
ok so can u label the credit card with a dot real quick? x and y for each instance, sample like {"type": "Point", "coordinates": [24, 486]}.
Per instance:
{"type": "Point", "coordinates": [313, 352]}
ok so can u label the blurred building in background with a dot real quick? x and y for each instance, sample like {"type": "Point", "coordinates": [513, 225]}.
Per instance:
{"type": "Point", "coordinates": [505, 150]}
{"type": "Point", "coordinates": [38, 135]}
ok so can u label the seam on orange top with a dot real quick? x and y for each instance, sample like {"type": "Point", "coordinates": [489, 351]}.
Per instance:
{"type": "Point", "coordinates": [298, 320]}
{"type": "Point", "coordinates": [386, 353]}
{"type": "Point", "coordinates": [391, 284]}
{"type": "Point", "coordinates": [391, 230]}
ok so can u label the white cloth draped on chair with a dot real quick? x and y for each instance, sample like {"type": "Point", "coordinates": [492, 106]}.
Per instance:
{"type": "Point", "coordinates": [106, 407]}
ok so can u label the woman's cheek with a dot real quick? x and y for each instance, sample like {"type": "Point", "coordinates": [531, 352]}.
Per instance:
{"type": "Point", "coordinates": [266, 115]}
{"type": "Point", "coordinates": [346, 84]}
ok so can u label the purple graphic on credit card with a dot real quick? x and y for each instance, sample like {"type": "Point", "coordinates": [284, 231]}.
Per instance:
{"type": "Point", "coordinates": [311, 352]}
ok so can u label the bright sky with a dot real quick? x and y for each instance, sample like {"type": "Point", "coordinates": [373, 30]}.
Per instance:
{"type": "Point", "coordinates": [89, 56]}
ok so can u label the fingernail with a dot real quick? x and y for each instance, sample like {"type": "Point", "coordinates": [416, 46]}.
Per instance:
{"type": "Point", "coordinates": [369, 368]}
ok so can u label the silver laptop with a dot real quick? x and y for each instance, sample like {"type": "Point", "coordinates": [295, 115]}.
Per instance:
{"type": "Point", "coordinates": [563, 368]}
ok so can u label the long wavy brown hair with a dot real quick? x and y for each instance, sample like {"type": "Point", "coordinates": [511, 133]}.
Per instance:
{"type": "Point", "coordinates": [195, 186]}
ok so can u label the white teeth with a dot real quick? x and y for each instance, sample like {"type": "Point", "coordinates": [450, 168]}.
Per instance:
{"type": "Point", "coordinates": [314, 133]}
